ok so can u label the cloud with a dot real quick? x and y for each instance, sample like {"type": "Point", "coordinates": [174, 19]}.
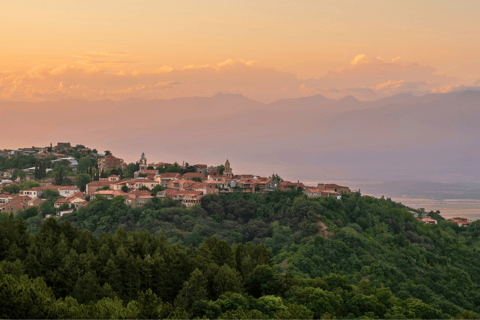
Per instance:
{"type": "Point", "coordinates": [359, 59]}
{"type": "Point", "coordinates": [106, 54]}
{"type": "Point", "coordinates": [364, 77]}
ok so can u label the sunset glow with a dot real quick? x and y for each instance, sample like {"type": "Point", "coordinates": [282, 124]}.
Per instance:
{"type": "Point", "coordinates": [265, 50]}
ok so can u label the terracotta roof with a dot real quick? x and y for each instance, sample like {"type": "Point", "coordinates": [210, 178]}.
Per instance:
{"type": "Point", "coordinates": [194, 175]}
{"type": "Point", "coordinates": [149, 171]}
{"type": "Point", "coordinates": [68, 188]}
{"type": "Point", "coordinates": [170, 175]}
{"type": "Point", "coordinates": [185, 192]}
{"type": "Point", "coordinates": [63, 200]}
{"type": "Point", "coordinates": [244, 176]}
{"type": "Point", "coordinates": [77, 195]}
{"type": "Point", "coordinates": [110, 192]}
{"type": "Point", "coordinates": [144, 197]}
{"type": "Point", "coordinates": [140, 192]}
{"type": "Point", "coordinates": [99, 183]}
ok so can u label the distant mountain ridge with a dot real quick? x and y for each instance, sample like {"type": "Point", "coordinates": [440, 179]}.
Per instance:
{"type": "Point", "coordinates": [432, 137]}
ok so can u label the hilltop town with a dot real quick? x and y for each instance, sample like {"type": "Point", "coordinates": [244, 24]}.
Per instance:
{"type": "Point", "coordinates": [71, 176]}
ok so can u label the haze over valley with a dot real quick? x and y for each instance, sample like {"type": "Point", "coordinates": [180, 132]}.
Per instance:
{"type": "Point", "coordinates": [434, 137]}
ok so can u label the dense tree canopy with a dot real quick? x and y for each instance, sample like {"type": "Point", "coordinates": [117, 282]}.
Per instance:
{"type": "Point", "coordinates": [277, 255]}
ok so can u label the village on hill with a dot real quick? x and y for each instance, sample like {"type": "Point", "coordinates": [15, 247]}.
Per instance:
{"type": "Point", "coordinates": [74, 175]}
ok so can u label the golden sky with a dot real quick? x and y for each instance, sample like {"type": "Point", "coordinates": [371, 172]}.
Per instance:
{"type": "Point", "coordinates": [266, 49]}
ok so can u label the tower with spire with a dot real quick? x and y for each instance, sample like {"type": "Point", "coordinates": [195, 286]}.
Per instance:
{"type": "Point", "coordinates": [143, 162]}
{"type": "Point", "coordinates": [228, 170]}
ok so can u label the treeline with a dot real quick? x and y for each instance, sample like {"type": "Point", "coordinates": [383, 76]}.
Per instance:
{"type": "Point", "coordinates": [63, 273]}
{"type": "Point", "coordinates": [365, 241]}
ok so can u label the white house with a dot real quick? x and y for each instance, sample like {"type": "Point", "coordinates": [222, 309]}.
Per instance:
{"type": "Point", "coordinates": [67, 191]}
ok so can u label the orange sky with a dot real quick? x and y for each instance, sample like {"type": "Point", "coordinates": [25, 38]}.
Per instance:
{"type": "Point", "coordinates": [266, 50]}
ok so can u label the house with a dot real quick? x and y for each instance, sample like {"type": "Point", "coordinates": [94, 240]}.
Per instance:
{"type": "Point", "coordinates": [79, 195]}
{"type": "Point", "coordinates": [15, 204]}
{"type": "Point", "coordinates": [61, 146]}
{"type": "Point", "coordinates": [95, 185]}
{"type": "Point", "coordinates": [36, 192]}
{"type": "Point", "coordinates": [46, 182]}
{"type": "Point", "coordinates": [5, 197]}
{"type": "Point", "coordinates": [179, 184]}
{"type": "Point", "coordinates": [57, 204]}
{"type": "Point", "coordinates": [188, 185]}
{"type": "Point", "coordinates": [113, 178]}
{"type": "Point", "coordinates": [288, 186]}
{"type": "Point", "coordinates": [76, 200]}
{"type": "Point", "coordinates": [35, 202]}
{"type": "Point", "coordinates": [219, 184]}
{"type": "Point", "coordinates": [8, 173]}
{"type": "Point", "coordinates": [213, 173]}
{"type": "Point", "coordinates": [138, 198]}
{"type": "Point", "coordinates": [428, 220]}
{"type": "Point", "coordinates": [142, 182]}
{"type": "Point", "coordinates": [67, 191]}
{"type": "Point", "coordinates": [200, 168]}
{"type": "Point", "coordinates": [160, 165]}
{"type": "Point", "coordinates": [244, 176]}
{"type": "Point", "coordinates": [460, 221]}
{"type": "Point", "coordinates": [313, 192]}
{"type": "Point", "coordinates": [187, 198]}
{"type": "Point", "coordinates": [149, 174]}
{"type": "Point", "coordinates": [109, 194]}
{"type": "Point", "coordinates": [165, 178]}
{"type": "Point", "coordinates": [118, 185]}
{"type": "Point", "coordinates": [13, 207]}
{"type": "Point", "coordinates": [247, 185]}
{"type": "Point", "coordinates": [110, 162]}
{"type": "Point", "coordinates": [334, 188]}
{"type": "Point", "coordinates": [192, 175]}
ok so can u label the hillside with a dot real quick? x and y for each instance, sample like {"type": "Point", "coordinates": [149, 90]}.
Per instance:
{"type": "Point", "coordinates": [286, 256]}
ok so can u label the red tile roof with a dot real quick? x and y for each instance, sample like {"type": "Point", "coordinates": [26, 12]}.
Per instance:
{"type": "Point", "coordinates": [190, 175]}
{"type": "Point", "coordinates": [170, 175]}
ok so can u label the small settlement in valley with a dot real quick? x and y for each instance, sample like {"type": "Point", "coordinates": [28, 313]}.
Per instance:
{"type": "Point", "coordinates": [108, 177]}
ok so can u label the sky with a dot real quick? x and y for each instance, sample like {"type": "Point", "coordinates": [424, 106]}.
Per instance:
{"type": "Point", "coordinates": [266, 50]}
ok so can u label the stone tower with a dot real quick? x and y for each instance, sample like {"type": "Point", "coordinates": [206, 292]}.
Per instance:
{"type": "Point", "coordinates": [143, 162]}
{"type": "Point", "coordinates": [228, 170]}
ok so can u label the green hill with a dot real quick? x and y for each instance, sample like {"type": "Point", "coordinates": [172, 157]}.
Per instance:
{"type": "Point", "coordinates": [279, 255]}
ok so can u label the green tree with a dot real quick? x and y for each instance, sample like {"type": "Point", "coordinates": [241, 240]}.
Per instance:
{"type": "Point", "coordinates": [84, 164]}
{"type": "Point", "coordinates": [86, 289]}
{"type": "Point", "coordinates": [197, 179]}
{"type": "Point", "coordinates": [81, 180]}
{"type": "Point", "coordinates": [276, 177]}
{"type": "Point", "coordinates": [12, 188]}
{"type": "Point", "coordinates": [125, 189]}
{"type": "Point", "coordinates": [50, 195]}
{"type": "Point", "coordinates": [107, 152]}
{"type": "Point", "coordinates": [227, 280]}
{"type": "Point", "coordinates": [157, 188]}
{"type": "Point", "coordinates": [195, 289]}
{"type": "Point", "coordinates": [46, 207]}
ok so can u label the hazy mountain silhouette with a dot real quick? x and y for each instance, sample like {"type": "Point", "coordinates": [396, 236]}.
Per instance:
{"type": "Point", "coordinates": [433, 137]}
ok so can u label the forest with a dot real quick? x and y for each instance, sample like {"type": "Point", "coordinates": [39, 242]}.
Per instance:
{"type": "Point", "coordinates": [279, 255]}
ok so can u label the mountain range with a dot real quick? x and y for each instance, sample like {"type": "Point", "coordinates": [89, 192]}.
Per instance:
{"type": "Point", "coordinates": [403, 137]}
